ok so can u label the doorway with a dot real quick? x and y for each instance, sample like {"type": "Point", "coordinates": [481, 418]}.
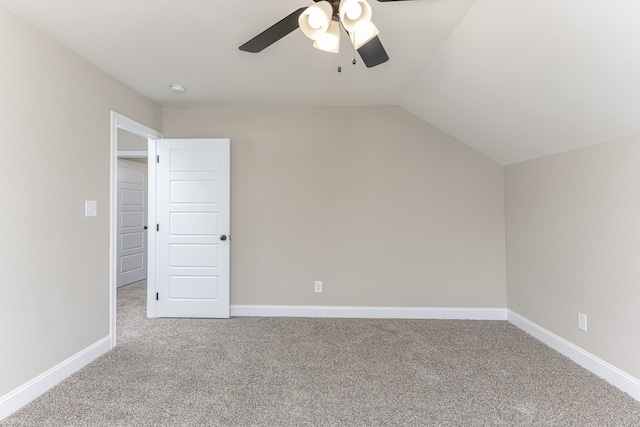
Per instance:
{"type": "Point", "coordinates": [122, 125]}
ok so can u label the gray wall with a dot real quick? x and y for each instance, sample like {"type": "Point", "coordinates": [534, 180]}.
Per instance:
{"type": "Point", "coordinates": [383, 208]}
{"type": "Point", "coordinates": [55, 141]}
{"type": "Point", "coordinates": [128, 141]}
{"type": "Point", "coordinates": [573, 244]}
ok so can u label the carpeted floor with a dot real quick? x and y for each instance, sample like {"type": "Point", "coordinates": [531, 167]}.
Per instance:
{"type": "Point", "coordinates": [325, 372]}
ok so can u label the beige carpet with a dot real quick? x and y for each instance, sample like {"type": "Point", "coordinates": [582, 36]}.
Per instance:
{"type": "Point", "coordinates": [326, 372]}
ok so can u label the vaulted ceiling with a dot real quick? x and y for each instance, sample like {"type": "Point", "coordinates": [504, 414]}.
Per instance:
{"type": "Point", "coordinates": [513, 79]}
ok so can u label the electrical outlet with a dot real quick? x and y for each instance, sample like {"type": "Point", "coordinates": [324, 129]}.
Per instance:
{"type": "Point", "coordinates": [317, 286]}
{"type": "Point", "coordinates": [582, 322]}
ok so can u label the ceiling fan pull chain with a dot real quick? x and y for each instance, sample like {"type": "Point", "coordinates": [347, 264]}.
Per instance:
{"type": "Point", "coordinates": [352, 36]}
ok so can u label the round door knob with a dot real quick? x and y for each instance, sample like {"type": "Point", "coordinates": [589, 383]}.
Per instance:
{"type": "Point", "coordinates": [145, 227]}
{"type": "Point", "coordinates": [223, 237]}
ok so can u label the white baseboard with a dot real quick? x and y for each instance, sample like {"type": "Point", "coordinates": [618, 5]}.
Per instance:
{"type": "Point", "coordinates": [604, 370]}
{"type": "Point", "coordinates": [358, 312]}
{"type": "Point", "coordinates": [24, 394]}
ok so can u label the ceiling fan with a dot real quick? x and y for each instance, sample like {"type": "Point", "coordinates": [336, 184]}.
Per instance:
{"type": "Point", "coordinates": [321, 22]}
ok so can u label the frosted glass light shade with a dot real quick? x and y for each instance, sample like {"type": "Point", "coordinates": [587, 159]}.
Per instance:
{"type": "Point", "coordinates": [330, 40]}
{"type": "Point", "coordinates": [353, 14]}
{"type": "Point", "coordinates": [364, 35]}
{"type": "Point", "coordinates": [316, 19]}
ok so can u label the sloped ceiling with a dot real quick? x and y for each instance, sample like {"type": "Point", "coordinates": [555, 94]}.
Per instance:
{"type": "Point", "coordinates": [519, 79]}
{"type": "Point", "coordinates": [514, 79]}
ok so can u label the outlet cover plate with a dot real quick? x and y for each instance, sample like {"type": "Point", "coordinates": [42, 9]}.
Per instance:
{"type": "Point", "coordinates": [582, 322]}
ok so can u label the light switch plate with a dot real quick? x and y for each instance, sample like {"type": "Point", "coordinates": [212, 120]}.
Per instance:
{"type": "Point", "coordinates": [90, 208]}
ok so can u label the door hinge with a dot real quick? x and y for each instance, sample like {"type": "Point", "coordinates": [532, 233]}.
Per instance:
{"type": "Point", "coordinates": [158, 159]}
{"type": "Point", "coordinates": [157, 227]}
{"type": "Point", "coordinates": [157, 296]}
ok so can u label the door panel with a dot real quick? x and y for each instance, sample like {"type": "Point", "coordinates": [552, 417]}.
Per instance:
{"type": "Point", "coordinates": [194, 192]}
{"type": "Point", "coordinates": [193, 211]}
{"type": "Point", "coordinates": [194, 223]}
{"type": "Point", "coordinates": [185, 287]}
{"type": "Point", "coordinates": [131, 263]}
{"type": "Point", "coordinates": [132, 198]}
{"type": "Point", "coordinates": [132, 207]}
{"type": "Point", "coordinates": [132, 241]}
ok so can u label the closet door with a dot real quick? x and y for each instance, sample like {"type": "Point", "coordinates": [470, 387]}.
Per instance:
{"type": "Point", "coordinates": [132, 216]}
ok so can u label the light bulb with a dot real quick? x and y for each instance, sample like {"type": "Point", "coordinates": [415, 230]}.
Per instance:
{"type": "Point", "coordinates": [314, 21]}
{"type": "Point", "coordinates": [353, 10]}
{"type": "Point", "coordinates": [330, 41]}
{"type": "Point", "coordinates": [353, 14]}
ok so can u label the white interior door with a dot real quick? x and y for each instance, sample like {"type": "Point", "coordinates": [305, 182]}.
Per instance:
{"type": "Point", "coordinates": [132, 214]}
{"type": "Point", "coordinates": [192, 234]}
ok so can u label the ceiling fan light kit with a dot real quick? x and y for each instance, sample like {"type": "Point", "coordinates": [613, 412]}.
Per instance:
{"type": "Point", "coordinates": [354, 15]}
{"type": "Point", "coordinates": [315, 20]}
{"type": "Point", "coordinates": [321, 22]}
{"type": "Point", "coordinates": [329, 41]}
{"type": "Point", "coordinates": [364, 36]}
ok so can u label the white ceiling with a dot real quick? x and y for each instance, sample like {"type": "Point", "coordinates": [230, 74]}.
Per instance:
{"type": "Point", "coordinates": [514, 79]}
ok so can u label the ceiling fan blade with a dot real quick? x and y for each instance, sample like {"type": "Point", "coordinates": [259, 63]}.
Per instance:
{"type": "Point", "coordinates": [373, 53]}
{"type": "Point", "coordinates": [273, 33]}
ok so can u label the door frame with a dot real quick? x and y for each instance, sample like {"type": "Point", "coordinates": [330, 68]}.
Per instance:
{"type": "Point", "coordinates": [152, 219]}
{"type": "Point", "coordinates": [119, 121]}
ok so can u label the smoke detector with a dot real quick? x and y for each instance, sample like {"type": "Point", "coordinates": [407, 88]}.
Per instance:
{"type": "Point", "coordinates": [177, 88]}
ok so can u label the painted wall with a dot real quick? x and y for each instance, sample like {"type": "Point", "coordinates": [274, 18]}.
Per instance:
{"type": "Point", "coordinates": [382, 207]}
{"type": "Point", "coordinates": [573, 245]}
{"type": "Point", "coordinates": [128, 141]}
{"type": "Point", "coordinates": [54, 134]}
